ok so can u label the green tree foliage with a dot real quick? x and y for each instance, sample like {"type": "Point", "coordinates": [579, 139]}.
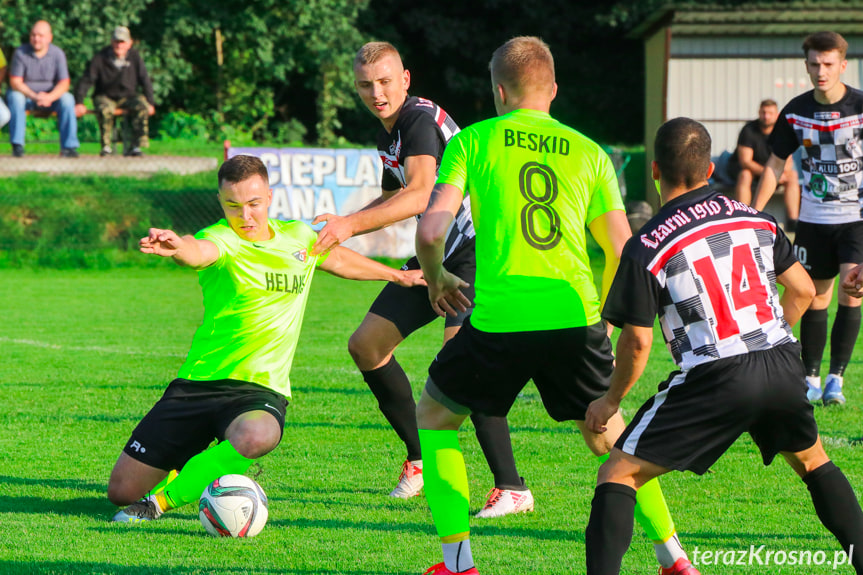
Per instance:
{"type": "Point", "coordinates": [286, 64]}
{"type": "Point", "coordinates": [267, 46]}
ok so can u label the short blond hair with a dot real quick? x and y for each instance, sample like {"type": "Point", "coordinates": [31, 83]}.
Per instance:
{"type": "Point", "coordinates": [522, 64]}
{"type": "Point", "coordinates": [374, 51]}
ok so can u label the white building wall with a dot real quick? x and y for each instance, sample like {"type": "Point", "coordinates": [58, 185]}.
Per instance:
{"type": "Point", "coordinates": [720, 81]}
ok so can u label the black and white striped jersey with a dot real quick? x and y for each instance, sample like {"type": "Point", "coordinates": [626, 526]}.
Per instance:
{"type": "Point", "coordinates": [832, 155]}
{"type": "Point", "coordinates": [422, 129]}
{"type": "Point", "coordinates": [707, 266]}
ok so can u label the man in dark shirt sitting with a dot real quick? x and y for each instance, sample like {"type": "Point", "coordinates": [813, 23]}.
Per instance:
{"type": "Point", "coordinates": [747, 163]}
{"type": "Point", "coordinates": [116, 72]}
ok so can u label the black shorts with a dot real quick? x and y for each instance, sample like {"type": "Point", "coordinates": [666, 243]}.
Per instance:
{"type": "Point", "coordinates": [484, 372]}
{"type": "Point", "coordinates": [190, 415]}
{"type": "Point", "coordinates": [822, 247]}
{"type": "Point", "coordinates": [409, 308]}
{"type": "Point", "coordinates": [697, 415]}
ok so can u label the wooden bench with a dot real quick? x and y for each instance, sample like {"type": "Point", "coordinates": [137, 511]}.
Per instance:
{"type": "Point", "coordinates": [49, 113]}
{"type": "Point", "coordinates": [117, 135]}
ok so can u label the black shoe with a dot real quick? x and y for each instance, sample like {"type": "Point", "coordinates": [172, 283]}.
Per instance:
{"type": "Point", "coordinates": [133, 153]}
{"type": "Point", "coordinates": [69, 153]}
{"type": "Point", "coordinates": [17, 151]}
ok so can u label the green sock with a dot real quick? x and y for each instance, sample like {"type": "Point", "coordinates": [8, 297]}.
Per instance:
{"type": "Point", "coordinates": [172, 475]}
{"type": "Point", "coordinates": [445, 483]}
{"type": "Point", "coordinates": [200, 471]}
{"type": "Point", "coordinates": [651, 512]}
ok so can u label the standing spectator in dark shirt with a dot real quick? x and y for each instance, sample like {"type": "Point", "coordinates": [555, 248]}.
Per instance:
{"type": "Point", "coordinates": [116, 72]}
{"type": "Point", "coordinates": [750, 157]}
{"type": "Point", "coordinates": [39, 81]}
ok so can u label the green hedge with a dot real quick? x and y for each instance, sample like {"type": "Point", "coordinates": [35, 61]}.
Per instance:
{"type": "Point", "coordinates": [95, 221]}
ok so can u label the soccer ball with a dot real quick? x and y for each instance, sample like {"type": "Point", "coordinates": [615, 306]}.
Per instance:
{"type": "Point", "coordinates": [233, 506]}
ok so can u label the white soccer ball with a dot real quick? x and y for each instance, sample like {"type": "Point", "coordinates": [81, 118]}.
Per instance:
{"type": "Point", "coordinates": [233, 506]}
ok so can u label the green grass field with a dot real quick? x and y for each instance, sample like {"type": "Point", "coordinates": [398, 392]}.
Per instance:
{"type": "Point", "coordinates": [87, 353]}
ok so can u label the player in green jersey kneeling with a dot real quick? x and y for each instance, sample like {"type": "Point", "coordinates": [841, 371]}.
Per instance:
{"type": "Point", "coordinates": [255, 274]}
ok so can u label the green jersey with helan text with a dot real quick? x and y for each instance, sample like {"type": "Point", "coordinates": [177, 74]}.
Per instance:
{"type": "Point", "coordinates": [534, 185]}
{"type": "Point", "coordinates": [255, 295]}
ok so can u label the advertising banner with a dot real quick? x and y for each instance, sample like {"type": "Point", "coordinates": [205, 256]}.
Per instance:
{"type": "Point", "coordinates": [307, 182]}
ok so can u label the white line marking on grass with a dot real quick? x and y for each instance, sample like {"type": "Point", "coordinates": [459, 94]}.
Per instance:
{"type": "Point", "coordinates": [96, 348]}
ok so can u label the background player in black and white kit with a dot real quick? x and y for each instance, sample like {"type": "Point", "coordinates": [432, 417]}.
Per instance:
{"type": "Point", "coordinates": [827, 122]}
{"type": "Point", "coordinates": [708, 266]}
{"type": "Point", "coordinates": [411, 143]}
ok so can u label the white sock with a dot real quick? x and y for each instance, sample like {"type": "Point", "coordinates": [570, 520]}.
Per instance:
{"type": "Point", "coordinates": [417, 463]}
{"type": "Point", "coordinates": [669, 552]}
{"type": "Point", "coordinates": [457, 556]}
{"type": "Point", "coordinates": [155, 501]}
{"type": "Point", "coordinates": [814, 381]}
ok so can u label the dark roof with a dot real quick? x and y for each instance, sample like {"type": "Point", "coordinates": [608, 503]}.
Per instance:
{"type": "Point", "coordinates": [762, 19]}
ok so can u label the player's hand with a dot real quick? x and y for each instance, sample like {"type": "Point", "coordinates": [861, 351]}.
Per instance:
{"type": "Point", "coordinates": [599, 412]}
{"type": "Point", "coordinates": [338, 229]}
{"type": "Point", "coordinates": [446, 296]}
{"type": "Point", "coordinates": [852, 283]}
{"type": "Point", "coordinates": [163, 243]}
{"type": "Point", "coordinates": [80, 110]}
{"type": "Point", "coordinates": [411, 278]}
{"type": "Point", "coordinates": [151, 109]}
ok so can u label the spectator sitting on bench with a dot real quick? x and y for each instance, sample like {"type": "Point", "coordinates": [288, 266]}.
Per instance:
{"type": "Point", "coordinates": [39, 81]}
{"type": "Point", "coordinates": [4, 111]}
{"type": "Point", "coordinates": [752, 153]}
{"type": "Point", "coordinates": [116, 72]}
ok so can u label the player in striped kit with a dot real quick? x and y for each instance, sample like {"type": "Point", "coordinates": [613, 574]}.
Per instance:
{"type": "Point", "coordinates": [411, 142]}
{"type": "Point", "coordinates": [827, 122]}
{"type": "Point", "coordinates": [708, 266]}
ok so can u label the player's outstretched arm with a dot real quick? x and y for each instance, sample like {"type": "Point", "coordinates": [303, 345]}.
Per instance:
{"type": "Point", "coordinates": [348, 264]}
{"type": "Point", "coordinates": [610, 230]}
{"type": "Point", "coordinates": [799, 292]}
{"type": "Point", "coordinates": [185, 250]}
{"type": "Point", "coordinates": [852, 283]}
{"type": "Point", "coordinates": [420, 175]}
{"type": "Point", "coordinates": [445, 293]}
{"type": "Point", "coordinates": [772, 172]}
{"type": "Point", "coordinates": [633, 349]}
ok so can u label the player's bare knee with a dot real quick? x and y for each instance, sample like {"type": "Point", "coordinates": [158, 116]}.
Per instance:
{"type": "Point", "coordinates": [808, 460]}
{"type": "Point", "coordinates": [613, 471]}
{"type": "Point", "coordinates": [432, 414]}
{"type": "Point", "coordinates": [255, 445]}
{"type": "Point", "coordinates": [357, 347]}
{"type": "Point", "coordinates": [121, 492]}
{"type": "Point", "coordinates": [365, 351]}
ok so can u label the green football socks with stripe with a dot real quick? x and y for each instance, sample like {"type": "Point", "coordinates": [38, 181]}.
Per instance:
{"type": "Point", "coordinates": [446, 490]}
{"type": "Point", "coordinates": [200, 471]}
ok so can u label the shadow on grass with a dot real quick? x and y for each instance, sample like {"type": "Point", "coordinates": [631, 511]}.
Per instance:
{"type": "Point", "coordinates": [89, 506]}
{"type": "Point", "coordinates": [55, 483]}
{"type": "Point", "coordinates": [339, 390]}
{"type": "Point", "coordinates": [68, 567]}
{"type": "Point", "coordinates": [331, 425]}
{"type": "Point", "coordinates": [692, 538]}
{"type": "Point", "coordinates": [508, 531]}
